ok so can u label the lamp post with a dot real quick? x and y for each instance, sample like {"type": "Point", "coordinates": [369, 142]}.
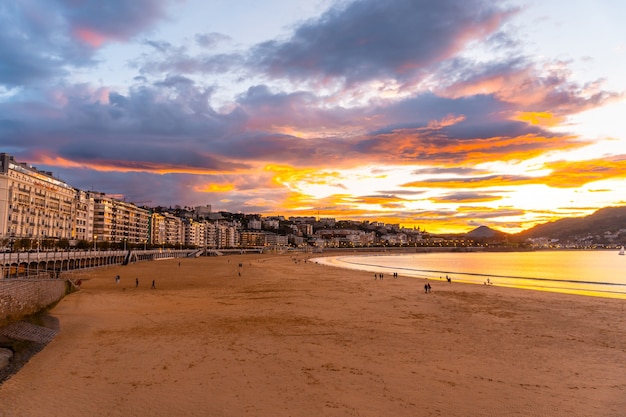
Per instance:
{"type": "Point", "coordinates": [95, 240]}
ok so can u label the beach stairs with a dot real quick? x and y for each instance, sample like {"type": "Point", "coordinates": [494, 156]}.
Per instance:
{"type": "Point", "coordinates": [130, 257]}
{"type": "Point", "coordinates": [196, 254]}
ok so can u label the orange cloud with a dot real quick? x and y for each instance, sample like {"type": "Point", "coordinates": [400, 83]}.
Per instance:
{"type": "Point", "coordinates": [126, 166]}
{"type": "Point", "coordinates": [215, 188]}
{"type": "Point", "coordinates": [575, 174]}
{"type": "Point", "coordinates": [284, 174]}
{"type": "Point", "coordinates": [564, 174]}
{"type": "Point", "coordinates": [466, 198]}
{"type": "Point", "coordinates": [543, 119]}
{"type": "Point", "coordinates": [408, 145]}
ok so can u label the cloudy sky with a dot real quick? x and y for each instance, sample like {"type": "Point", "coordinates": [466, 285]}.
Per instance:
{"type": "Point", "coordinates": [441, 114]}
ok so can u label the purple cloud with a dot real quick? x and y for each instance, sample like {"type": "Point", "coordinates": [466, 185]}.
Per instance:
{"type": "Point", "coordinates": [371, 39]}
{"type": "Point", "coordinates": [42, 39]}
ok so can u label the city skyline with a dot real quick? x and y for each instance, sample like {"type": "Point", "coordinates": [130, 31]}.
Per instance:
{"type": "Point", "coordinates": [444, 115]}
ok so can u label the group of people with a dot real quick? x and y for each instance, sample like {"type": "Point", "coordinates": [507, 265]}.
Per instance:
{"type": "Point", "coordinates": [427, 287]}
{"type": "Point", "coordinates": [381, 276]}
{"type": "Point", "coordinates": [118, 279]}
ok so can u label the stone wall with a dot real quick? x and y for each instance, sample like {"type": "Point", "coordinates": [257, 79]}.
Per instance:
{"type": "Point", "coordinates": [23, 297]}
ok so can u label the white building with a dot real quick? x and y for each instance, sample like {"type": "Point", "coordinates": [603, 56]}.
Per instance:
{"type": "Point", "coordinates": [82, 228]}
{"type": "Point", "coordinates": [195, 233]}
{"type": "Point", "coordinates": [34, 205]}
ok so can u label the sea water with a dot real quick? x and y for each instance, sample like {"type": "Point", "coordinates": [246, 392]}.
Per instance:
{"type": "Point", "coordinates": [596, 273]}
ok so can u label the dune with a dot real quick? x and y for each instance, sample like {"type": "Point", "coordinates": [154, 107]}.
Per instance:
{"type": "Point", "coordinates": [274, 335]}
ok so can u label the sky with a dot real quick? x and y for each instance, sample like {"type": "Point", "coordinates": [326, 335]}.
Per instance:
{"type": "Point", "coordinates": [444, 115]}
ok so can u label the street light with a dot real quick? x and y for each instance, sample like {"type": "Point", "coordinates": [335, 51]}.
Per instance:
{"type": "Point", "coordinates": [95, 239]}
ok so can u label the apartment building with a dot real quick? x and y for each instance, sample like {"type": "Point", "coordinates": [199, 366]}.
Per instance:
{"type": "Point", "coordinates": [165, 228]}
{"type": "Point", "coordinates": [227, 235]}
{"type": "Point", "coordinates": [119, 221]}
{"type": "Point", "coordinates": [34, 204]}
{"type": "Point", "coordinates": [82, 228]}
{"type": "Point", "coordinates": [174, 229]}
{"type": "Point", "coordinates": [195, 233]}
{"type": "Point", "coordinates": [252, 238]}
{"type": "Point", "coordinates": [211, 235]}
{"type": "Point", "coordinates": [202, 212]}
{"type": "Point", "coordinates": [157, 229]}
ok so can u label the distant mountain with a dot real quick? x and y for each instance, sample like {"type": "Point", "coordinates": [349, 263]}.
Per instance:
{"type": "Point", "coordinates": [607, 219]}
{"type": "Point", "coordinates": [484, 232]}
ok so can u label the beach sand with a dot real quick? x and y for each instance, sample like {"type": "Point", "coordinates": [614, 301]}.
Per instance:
{"type": "Point", "coordinates": [291, 338]}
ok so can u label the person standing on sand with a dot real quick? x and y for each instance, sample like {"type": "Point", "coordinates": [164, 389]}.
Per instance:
{"type": "Point", "coordinates": [153, 287]}
{"type": "Point", "coordinates": [136, 282]}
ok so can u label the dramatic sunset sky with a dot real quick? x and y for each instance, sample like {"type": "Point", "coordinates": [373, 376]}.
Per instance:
{"type": "Point", "coordinates": [444, 114]}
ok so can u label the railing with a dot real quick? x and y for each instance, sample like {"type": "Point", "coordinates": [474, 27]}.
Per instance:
{"type": "Point", "coordinates": [51, 264]}
{"type": "Point", "coordinates": [34, 256]}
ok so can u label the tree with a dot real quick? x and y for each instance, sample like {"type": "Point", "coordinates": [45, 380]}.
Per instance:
{"type": "Point", "coordinates": [22, 244]}
{"type": "Point", "coordinates": [83, 245]}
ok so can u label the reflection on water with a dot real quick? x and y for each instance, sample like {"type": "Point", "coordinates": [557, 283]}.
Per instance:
{"type": "Point", "coordinates": [597, 273]}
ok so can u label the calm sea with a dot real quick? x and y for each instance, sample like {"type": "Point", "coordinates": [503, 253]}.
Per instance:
{"type": "Point", "coordinates": [595, 273]}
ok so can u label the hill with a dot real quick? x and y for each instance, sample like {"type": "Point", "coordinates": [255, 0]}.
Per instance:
{"type": "Point", "coordinates": [609, 219]}
{"type": "Point", "coordinates": [484, 232]}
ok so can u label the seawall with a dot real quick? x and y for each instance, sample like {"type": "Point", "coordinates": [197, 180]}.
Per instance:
{"type": "Point", "coordinates": [23, 297]}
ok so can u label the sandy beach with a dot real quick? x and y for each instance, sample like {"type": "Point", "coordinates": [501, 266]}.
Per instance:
{"type": "Point", "coordinates": [283, 337]}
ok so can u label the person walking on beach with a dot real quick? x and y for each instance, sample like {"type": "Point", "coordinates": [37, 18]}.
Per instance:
{"type": "Point", "coordinates": [428, 289]}
{"type": "Point", "coordinates": [136, 282]}
{"type": "Point", "coordinates": [153, 287]}
{"type": "Point", "coordinates": [425, 288]}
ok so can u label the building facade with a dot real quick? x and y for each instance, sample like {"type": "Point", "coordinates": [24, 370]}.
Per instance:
{"type": "Point", "coordinates": [119, 221]}
{"type": "Point", "coordinates": [34, 205]}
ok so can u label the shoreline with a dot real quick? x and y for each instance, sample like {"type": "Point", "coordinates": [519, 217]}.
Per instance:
{"type": "Point", "coordinates": [276, 335]}
{"type": "Point", "coordinates": [565, 285]}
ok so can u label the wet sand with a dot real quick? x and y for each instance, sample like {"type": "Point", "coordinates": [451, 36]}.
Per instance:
{"type": "Point", "coordinates": [293, 338]}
